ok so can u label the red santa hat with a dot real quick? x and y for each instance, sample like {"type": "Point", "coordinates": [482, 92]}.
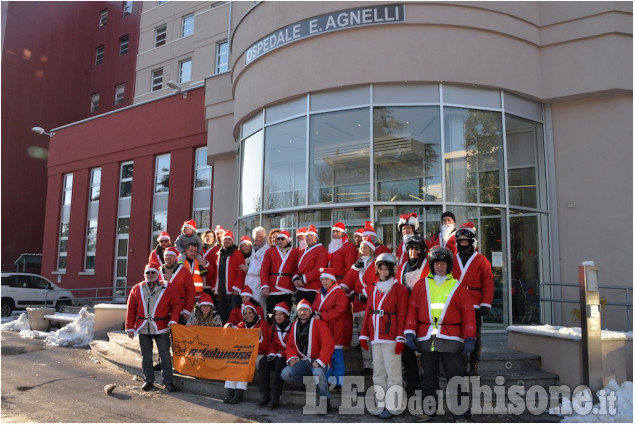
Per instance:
{"type": "Point", "coordinates": [152, 267]}
{"type": "Point", "coordinates": [171, 251]}
{"type": "Point", "coordinates": [469, 226]}
{"type": "Point", "coordinates": [190, 223]}
{"type": "Point", "coordinates": [368, 240]}
{"type": "Point", "coordinates": [410, 219]}
{"type": "Point", "coordinates": [228, 234]}
{"type": "Point", "coordinates": [248, 305]}
{"type": "Point", "coordinates": [283, 307]}
{"type": "Point", "coordinates": [163, 236]}
{"type": "Point", "coordinates": [218, 228]}
{"type": "Point", "coordinates": [339, 226]}
{"type": "Point", "coordinates": [300, 232]}
{"type": "Point", "coordinates": [304, 304]}
{"type": "Point", "coordinates": [284, 234]}
{"type": "Point", "coordinates": [245, 239]}
{"type": "Point", "coordinates": [369, 230]}
{"type": "Point", "coordinates": [359, 232]}
{"type": "Point", "coordinates": [311, 230]}
{"type": "Point", "coordinates": [247, 292]}
{"type": "Point", "coordinates": [205, 299]}
{"type": "Point", "coordinates": [328, 273]}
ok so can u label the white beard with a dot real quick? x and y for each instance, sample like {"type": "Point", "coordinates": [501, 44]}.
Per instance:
{"type": "Point", "coordinates": [439, 279]}
{"type": "Point", "coordinates": [335, 244]}
{"type": "Point", "coordinates": [446, 230]}
{"type": "Point", "coordinates": [385, 286]}
{"type": "Point", "coordinates": [412, 277]}
{"type": "Point", "coordinates": [302, 244]}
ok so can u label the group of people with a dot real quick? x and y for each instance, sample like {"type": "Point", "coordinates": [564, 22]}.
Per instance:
{"type": "Point", "coordinates": [427, 298]}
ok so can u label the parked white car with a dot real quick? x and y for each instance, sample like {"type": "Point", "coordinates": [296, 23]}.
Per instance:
{"type": "Point", "coordinates": [21, 290]}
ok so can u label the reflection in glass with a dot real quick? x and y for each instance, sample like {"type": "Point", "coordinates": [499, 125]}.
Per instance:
{"type": "Point", "coordinates": [202, 219]}
{"type": "Point", "coordinates": [525, 163]}
{"type": "Point", "coordinates": [251, 176]}
{"type": "Point", "coordinates": [340, 157]}
{"type": "Point", "coordinates": [160, 222]}
{"type": "Point", "coordinates": [406, 148]}
{"type": "Point", "coordinates": [123, 225]}
{"type": "Point", "coordinates": [122, 247]}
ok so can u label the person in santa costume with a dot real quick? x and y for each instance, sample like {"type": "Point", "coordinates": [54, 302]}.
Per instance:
{"type": "Point", "coordinates": [474, 272]}
{"type": "Point", "coordinates": [252, 278]}
{"type": "Point", "coordinates": [210, 248]}
{"type": "Point", "coordinates": [360, 278]}
{"type": "Point", "coordinates": [306, 278]}
{"type": "Point", "coordinates": [153, 306]}
{"type": "Point", "coordinates": [278, 267]}
{"type": "Point", "coordinates": [163, 242]}
{"type": "Point", "coordinates": [236, 315]}
{"type": "Point", "coordinates": [383, 327]}
{"type": "Point", "coordinates": [330, 305]}
{"type": "Point", "coordinates": [369, 230]}
{"type": "Point", "coordinates": [205, 315]}
{"type": "Point", "coordinates": [246, 247]}
{"type": "Point", "coordinates": [440, 325]}
{"type": "Point", "coordinates": [358, 237]}
{"type": "Point", "coordinates": [230, 279]}
{"type": "Point", "coordinates": [309, 349]}
{"type": "Point", "coordinates": [178, 275]}
{"type": "Point", "coordinates": [446, 237]}
{"type": "Point", "coordinates": [276, 359]}
{"type": "Point", "coordinates": [251, 320]}
{"type": "Point", "coordinates": [300, 236]}
{"type": "Point", "coordinates": [407, 227]}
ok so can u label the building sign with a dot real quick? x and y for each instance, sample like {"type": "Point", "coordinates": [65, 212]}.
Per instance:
{"type": "Point", "coordinates": [335, 21]}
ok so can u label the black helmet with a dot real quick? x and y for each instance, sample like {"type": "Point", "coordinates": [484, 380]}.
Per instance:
{"type": "Point", "coordinates": [439, 253]}
{"type": "Point", "coordinates": [465, 233]}
{"type": "Point", "coordinates": [389, 260]}
{"type": "Point", "coordinates": [415, 241]}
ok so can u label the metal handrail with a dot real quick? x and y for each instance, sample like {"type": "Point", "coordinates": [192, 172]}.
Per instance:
{"type": "Point", "coordinates": [92, 299]}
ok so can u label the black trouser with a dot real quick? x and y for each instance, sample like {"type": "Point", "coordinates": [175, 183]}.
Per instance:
{"type": "Point", "coordinates": [226, 304]}
{"type": "Point", "coordinates": [265, 368]}
{"type": "Point", "coordinates": [272, 300]}
{"type": "Point", "coordinates": [411, 369]}
{"type": "Point", "coordinates": [475, 356]}
{"type": "Point", "coordinates": [307, 295]}
{"type": "Point", "coordinates": [453, 365]}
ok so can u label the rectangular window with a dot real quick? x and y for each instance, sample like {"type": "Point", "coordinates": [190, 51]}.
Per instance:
{"type": "Point", "coordinates": [159, 3]}
{"type": "Point", "coordinates": [160, 34]}
{"type": "Point", "coordinates": [127, 8]}
{"type": "Point", "coordinates": [95, 184]}
{"type": "Point", "coordinates": [157, 79]}
{"type": "Point", "coordinates": [123, 44]}
{"type": "Point", "coordinates": [125, 181]}
{"type": "Point", "coordinates": [67, 192]}
{"type": "Point", "coordinates": [68, 189]}
{"type": "Point", "coordinates": [187, 27]}
{"type": "Point", "coordinates": [121, 256]}
{"type": "Point", "coordinates": [185, 71]}
{"type": "Point", "coordinates": [203, 172]}
{"type": "Point", "coordinates": [202, 189]}
{"type": "Point", "coordinates": [162, 174]}
{"type": "Point", "coordinates": [103, 18]}
{"type": "Point", "coordinates": [119, 93]}
{"type": "Point", "coordinates": [91, 245]}
{"type": "Point", "coordinates": [159, 224]}
{"type": "Point", "coordinates": [222, 56]}
{"type": "Point", "coordinates": [99, 55]}
{"type": "Point", "coordinates": [94, 102]}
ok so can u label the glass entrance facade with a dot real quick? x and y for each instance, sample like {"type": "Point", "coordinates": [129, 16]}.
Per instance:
{"type": "Point", "coordinates": [377, 151]}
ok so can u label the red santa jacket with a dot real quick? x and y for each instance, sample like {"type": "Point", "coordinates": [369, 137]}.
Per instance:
{"type": "Point", "coordinates": [320, 347]}
{"type": "Point", "coordinates": [456, 322]}
{"type": "Point", "coordinates": [309, 264]}
{"type": "Point", "coordinates": [182, 279]}
{"type": "Point", "coordinates": [342, 260]}
{"type": "Point", "coordinates": [332, 308]}
{"type": "Point", "coordinates": [263, 341]}
{"type": "Point", "coordinates": [155, 258]}
{"type": "Point", "coordinates": [382, 249]}
{"type": "Point", "coordinates": [361, 282]}
{"type": "Point", "coordinates": [385, 316]}
{"type": "Point", "coordinates": [236, 315]}
{"type": "Point", "coordinates": [278, 339]}
{"type": "Point", "coordinates": [209, 255]}
{"type": "Point", "coordinates": [165, 312]}
{"type": "Point", "coordinates": [450, 244]}
{"type": "Point", "coordinates": [234, 277]}
{"type": "Point", "coordinates": [424, 269]}
{"type": "Point", "coordinates": [402, 253]}
{"type": "Point", "coordinates": [476, 276]}
{"type": "Point", "coordinates": [277, 270]}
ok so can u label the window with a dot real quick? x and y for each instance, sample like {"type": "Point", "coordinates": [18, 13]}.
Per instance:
{"type": "Point", "coordinates": [203, 172]}
{"type": "Point", "coordinates": [91, 245]}
{"type": "Point", "coordinates": [187, 27]}
{"type": "Point", "coordinates": [125, 181]}
{"type": "Point", "coordinates": [103, 18]}
{"type": "Point", "coordinates": [68, 189]}
{"type": "Point", "coordinates": [159, 3]}
{"type": "Point", "coordinates": [185, 71]}
{"type": "Point", "coordinates": [95, 184]}
{"type": "Point", "coordinates": [127, 8]}
{"type": "Point", "coordinates": [251, 176]}
{"type": "Point", "coordinates": [160, 35]}
{"type": "Point", "coordinates": [157, 79]}
{"type": "Point", "coordinates": [202, 190]}
{"type": "Point", "coordinates": [99, 55]}
{"type": "Point", "coordinates": [119, 93]}
{"type": "Point", "coordinates": [162, 174]}
{"type": "Point", "coordinates": [222, 56]}
{"type": "Point", "coordinates": [67, 192]}
{"type": "Point", "coordinates": [121, 255]}
{"type": "Point", "coordinates": [94, 102]}
{"type": "Point", "coordinates": [123, 44]}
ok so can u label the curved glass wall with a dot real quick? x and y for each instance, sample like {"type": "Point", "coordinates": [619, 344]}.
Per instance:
{"type": "Point", "coordinates": [376, 152]}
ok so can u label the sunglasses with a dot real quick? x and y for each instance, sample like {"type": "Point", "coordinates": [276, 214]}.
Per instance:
{"type": "Point", "coordinates": [281, 238]}
{"type": "Point", "coordinates": [151, 272]}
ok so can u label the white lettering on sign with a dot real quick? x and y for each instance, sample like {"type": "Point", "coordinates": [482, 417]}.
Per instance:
{"type": "Point", "coordinates": [343, 19]}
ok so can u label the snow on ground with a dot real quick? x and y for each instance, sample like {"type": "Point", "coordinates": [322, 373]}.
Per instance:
{"type": "Point", "coordinates": [31, 334]}
{"type": "Point", "coordinates": [20, 324]}
{"type": "Point", "coordinates": [565, 332]}
{"type": "Point", "coordinates": [76, 334]}
{"type": "Point", "coordinates": [621, 411]}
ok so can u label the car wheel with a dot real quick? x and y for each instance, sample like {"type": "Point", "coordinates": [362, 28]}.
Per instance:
{"type": "Point", "coordinates": [60, 304]}
{"type": "Point", "coordinates": [7, 308]}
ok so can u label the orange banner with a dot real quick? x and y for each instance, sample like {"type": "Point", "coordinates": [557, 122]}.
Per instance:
{"type": "Point", "coordinates": [215, 353]}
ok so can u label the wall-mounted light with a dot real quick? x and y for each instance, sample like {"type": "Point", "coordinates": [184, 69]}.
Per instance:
{"type": "Point", "coordinates": [176, 86]}
{"type": "Point", "coordinates": [40, 130]}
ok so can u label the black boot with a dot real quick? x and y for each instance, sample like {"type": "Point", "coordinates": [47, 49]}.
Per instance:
{"type": "Point", "coordinates": [275, 401]}
{"type": "Point", "coordinates": [229, 395]}
{"type": "Point", "coordinates": [264, 399]}
{"type": "Point", "coordinates": [238, 396]}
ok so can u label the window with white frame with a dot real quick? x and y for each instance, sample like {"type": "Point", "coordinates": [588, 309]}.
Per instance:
{"type": "Point", "coordinates": [187, 27]}
{"type": "Point", "coordinates": [157, 80]}
{"type": "Point", "coordinates": [160, 34]}
{"type": "Point", "coordinates": [202, 190]}
{"type": "Point", "coordinates": [95, 184]}
{"type": "Point", "coordinates": [99, 55]}
{"type": "Point", "coordinates": [103, 18]}
{"type": "Point", "coordinates": [62, 248]}
{"type": "Point", "coordinates": [91, 245]}
{"type": "Point", "coordinates": [94, 102]}
{"type": "Point", "coordinates": [161, 197]}
{"type": "Point", "coordinates": [127, 8]}
{"type": "Point", "coordinates": [121, 255]}
{"type": "Point", "coordinates": [119, 93]}
{"type": "Point", "coordinates": [185, 71]}
{"type": "Point", "coordinates": [125, 181]}
{"type": "Point", "coordinates": [222, 57]}
{"type": "Point", "coordinates": [68, 189]}
{"type": "Point", "coordinates": [124, 42]}
{"type": "Point", "coordinates": [162, 174]}
{"type": "Point", "coordinates": [159, 3]}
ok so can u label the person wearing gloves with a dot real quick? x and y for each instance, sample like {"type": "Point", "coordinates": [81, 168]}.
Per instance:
{"type": "Point", "coordinates": [446, 237]}
{"type": "Point", "coordinates": [205, 314]}
{"type": "Point", "coordinates": [153, 306]}
{"type": "Point", "coordinates": [276, 359]}
{"type": "Point", "coordinates": [474, 272]}
{"type": "Point", "coordinates": [251, 320]}
{"type": "Point", "coordinates": [309, 349]}
{"type": "Point", "coordinates": [306, 278]}
{"type": "Point", "coordinates": [383, 327]}
{"type": "Point", "coordinates": [360, 279]}
{"type": "Point", "coordinates": [407, 227]}
{"type": "Point", "coordinates": [440, 325]}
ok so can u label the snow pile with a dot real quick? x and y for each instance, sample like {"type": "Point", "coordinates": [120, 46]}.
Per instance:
{"type": "Point", "coordinates": [76, 334]}
{"type": "Point", "coordinates": [20, 324]}
{"type": "Point", "coordinates": [31, 334]}
{"type": "Point", "coordinates": [619, 411]}
{"type": "Point", "coordinates": [565, 332]}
